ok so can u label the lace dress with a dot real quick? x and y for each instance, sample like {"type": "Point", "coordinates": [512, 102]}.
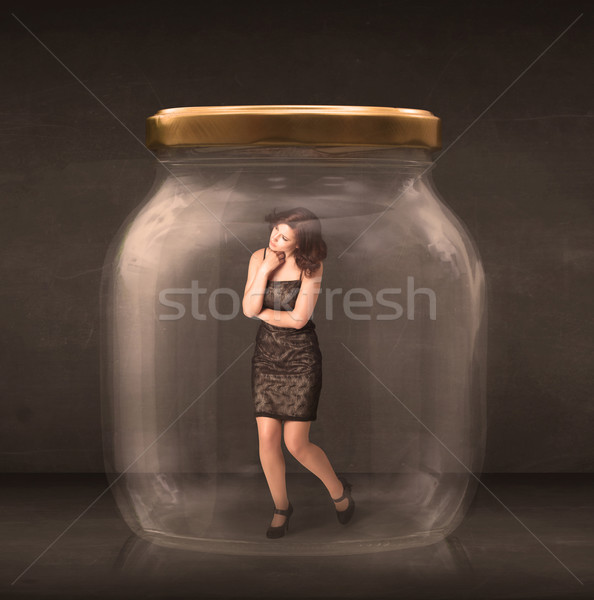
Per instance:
{"type": "Point", "coordinates": [287, 362]}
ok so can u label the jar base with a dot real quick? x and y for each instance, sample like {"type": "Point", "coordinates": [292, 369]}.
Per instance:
{"type": "Point", "coordinates": [229, 513]}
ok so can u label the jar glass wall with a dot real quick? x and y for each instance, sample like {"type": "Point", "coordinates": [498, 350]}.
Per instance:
{"type": "Point", "coordinates": [401, 322]}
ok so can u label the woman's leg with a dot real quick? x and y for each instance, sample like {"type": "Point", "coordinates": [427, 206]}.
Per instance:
{"type": "Point", "coordinates": [313, 458]}
{"type": "Point", "coordinates": [273, 463]}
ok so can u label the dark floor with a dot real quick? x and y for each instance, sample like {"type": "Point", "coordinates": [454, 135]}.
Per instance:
{"type": "Point", "coordinates": [539, 545]}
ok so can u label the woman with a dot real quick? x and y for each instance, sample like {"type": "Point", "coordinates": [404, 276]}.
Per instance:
{"type": "Point", "coordinates": [282, 288]}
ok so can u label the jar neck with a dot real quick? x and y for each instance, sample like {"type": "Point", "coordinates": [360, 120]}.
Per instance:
{"type": "Point", "coordinates": [244, 156]}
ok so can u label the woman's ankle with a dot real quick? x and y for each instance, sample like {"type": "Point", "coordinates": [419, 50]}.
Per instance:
{"type": "Point", "coordinates": [338, 491]}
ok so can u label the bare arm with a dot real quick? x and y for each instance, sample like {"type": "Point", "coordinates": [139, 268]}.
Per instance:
{"type": "Point", "coordinates": [258, 271]}
{"type": "Point", "coordinates": [304, 306]}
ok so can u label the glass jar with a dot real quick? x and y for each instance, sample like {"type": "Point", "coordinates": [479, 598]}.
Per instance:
{"type": "Point", "coordinates": [400, 320]}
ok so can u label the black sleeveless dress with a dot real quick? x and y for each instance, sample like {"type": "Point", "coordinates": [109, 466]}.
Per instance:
{"type": "Point", "coordinates": [287, 362]}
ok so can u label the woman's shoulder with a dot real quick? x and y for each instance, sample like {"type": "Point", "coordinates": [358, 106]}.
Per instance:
{"type": "Point", "coordinates": [317, 273]}
{"type": "Point", "coordinates": [258, 254]}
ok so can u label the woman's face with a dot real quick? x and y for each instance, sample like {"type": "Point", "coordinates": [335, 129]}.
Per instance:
{"type": "Point", "coordinates": [283, 239]}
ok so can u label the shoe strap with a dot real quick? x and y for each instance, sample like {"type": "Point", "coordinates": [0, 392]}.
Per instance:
{"type": "Point", "coordinates": [346, 493]}
{"type": "Point", "coordinates": [285, 512]}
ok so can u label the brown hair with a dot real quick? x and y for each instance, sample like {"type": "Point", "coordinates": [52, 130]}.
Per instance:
{"type": "Point", "coordinates": [311, 248]}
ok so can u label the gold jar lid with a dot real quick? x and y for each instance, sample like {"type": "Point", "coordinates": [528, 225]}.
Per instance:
{"type": "Point", "coordinates": [293, 125]}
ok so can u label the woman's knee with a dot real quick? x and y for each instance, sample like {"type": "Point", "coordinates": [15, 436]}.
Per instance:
{"type": "Point", "coordinates": [270, 446]}
{"type": "Point", "coordinates": [297, 437]}
{"type": "Point", "coordinates": [269, 435]}
{"type": "Point", "coordinates": [296, 445]}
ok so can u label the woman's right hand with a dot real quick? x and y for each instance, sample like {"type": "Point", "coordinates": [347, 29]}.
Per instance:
{"type": "Point", "coordinates": [272, 261]}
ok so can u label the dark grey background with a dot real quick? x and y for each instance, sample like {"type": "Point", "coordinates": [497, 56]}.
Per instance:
{"type": "Point", "coordinates": [519, 177]}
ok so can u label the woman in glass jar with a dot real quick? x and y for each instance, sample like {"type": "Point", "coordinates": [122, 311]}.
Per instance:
{"type": "Point", "coordinates": [282, 288]}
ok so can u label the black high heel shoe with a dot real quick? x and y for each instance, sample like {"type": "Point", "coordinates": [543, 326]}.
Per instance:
{"type": "Point", "coordinates": [344, 516]}
{"type": "Point", "coordinates": [278, 532]}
